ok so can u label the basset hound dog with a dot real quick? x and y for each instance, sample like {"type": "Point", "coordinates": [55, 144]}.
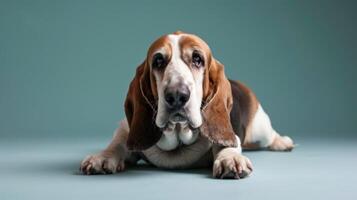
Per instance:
{"type": "Point", "coordinates": [182, 112]}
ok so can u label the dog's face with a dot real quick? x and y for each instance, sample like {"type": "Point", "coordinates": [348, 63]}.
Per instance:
{"type": "Point", "coordinates": [177, 63]}
{"type": "Point", "coordinates": [179, 85]}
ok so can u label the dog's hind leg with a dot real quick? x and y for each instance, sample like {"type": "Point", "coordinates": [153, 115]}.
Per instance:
{"type": "Point", "coordinates": [261, 135]}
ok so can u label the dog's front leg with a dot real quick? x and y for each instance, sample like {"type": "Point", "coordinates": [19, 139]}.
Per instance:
{"type": "Point", "coordinates": [230, 163]}
{"type": "Point", "coordinates": [112, 159]}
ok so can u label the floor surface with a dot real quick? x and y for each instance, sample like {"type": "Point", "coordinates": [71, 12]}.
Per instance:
{"type": "Point", "coordinates": [48, 169]}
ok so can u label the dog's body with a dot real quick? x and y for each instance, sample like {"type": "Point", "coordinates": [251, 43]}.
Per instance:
{"type": "Point", "coordinates": [182, 112]}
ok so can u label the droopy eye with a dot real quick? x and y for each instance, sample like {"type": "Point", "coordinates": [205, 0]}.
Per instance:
{"type": "Point", "coordinates": [197, 59]}
{"type": "Point", "coordinates": [158, 60]}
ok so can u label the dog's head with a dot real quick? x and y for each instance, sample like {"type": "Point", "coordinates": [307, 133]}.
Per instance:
{"type": "Point", "coordinates": [179, 83]}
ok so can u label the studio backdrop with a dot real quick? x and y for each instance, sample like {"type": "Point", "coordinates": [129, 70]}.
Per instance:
{"type": "Point", "coordinates": [65, 66]}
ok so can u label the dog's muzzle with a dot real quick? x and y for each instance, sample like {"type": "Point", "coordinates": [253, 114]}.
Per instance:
{"type": "Point", "coordinates": [176, 97]}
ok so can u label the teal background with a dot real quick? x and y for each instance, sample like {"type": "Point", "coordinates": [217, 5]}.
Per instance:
{"type": "Point", "coordinates": [65, 65]}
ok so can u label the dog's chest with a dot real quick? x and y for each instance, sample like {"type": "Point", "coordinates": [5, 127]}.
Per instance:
{"type": "Point", "coordinates": [178, 147]}
{"type": "Point", "coordinates": [184, 156]}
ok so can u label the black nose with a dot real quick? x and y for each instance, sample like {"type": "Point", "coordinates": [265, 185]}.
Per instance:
{"type": "Point", "coordinates": [177, 97]}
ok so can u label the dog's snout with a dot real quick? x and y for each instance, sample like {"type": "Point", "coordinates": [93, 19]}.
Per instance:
{"type": "Point", "coordinates": [177, 97]}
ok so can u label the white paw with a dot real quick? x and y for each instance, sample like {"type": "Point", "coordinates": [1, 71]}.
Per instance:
{"type": "Point", "coordinates": [282, 143]}
{"type": "Point", "coordinates": [102, 163]}
{"type": "Point", "coordinates": [231, 164]}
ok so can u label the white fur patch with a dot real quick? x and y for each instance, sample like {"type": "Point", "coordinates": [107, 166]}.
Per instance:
{"type": "Point", "coordinates": [173, 136]}
{"type": "Point", "coordinates": [168, 141]}
{"type": "Point", "coordinates": [239, 146]}
{"type": "Point", "coordinates": [262, 131]}
{"type": "Point", "coordinates": [187, 136]}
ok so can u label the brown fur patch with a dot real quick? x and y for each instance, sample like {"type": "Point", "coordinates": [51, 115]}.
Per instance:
{"type": "Point", "coordinates": [140, 106]}
{"type": "Point", "coordinates": [216, 125]}
{"type": "Point", "coordinates": [245, 105]}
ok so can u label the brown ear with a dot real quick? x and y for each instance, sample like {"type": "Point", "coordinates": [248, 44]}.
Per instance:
{"type": "Point", "coordinates": [217, 107]}
{"type": "Point", "coordinates": [140, 110]}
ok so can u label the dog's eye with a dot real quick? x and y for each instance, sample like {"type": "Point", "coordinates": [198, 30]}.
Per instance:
{"type": "Point", "coordinates": [197, 59]}
{"type": "Point", "coordinates": [158, 60]}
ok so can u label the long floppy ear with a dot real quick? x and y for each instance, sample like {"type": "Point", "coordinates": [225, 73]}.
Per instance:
{"type": "Point", "coordinates": [217, 107]}
{"type": "Point", "coordinates": [140, 110]}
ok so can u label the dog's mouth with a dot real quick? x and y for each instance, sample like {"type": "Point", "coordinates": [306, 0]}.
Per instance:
{"type": "Point", "coordinates": [173, 117]}
{"type": "Point", "coordinates": [178, 118]}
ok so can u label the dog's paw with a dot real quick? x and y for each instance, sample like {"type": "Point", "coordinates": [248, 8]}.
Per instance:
{"type": "Point", "coordinates": [102, 163]}
{"type": "Point", "coordinates": [231, 164]}
{"type": "Point", "coordinates": [282, 143]}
